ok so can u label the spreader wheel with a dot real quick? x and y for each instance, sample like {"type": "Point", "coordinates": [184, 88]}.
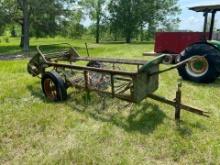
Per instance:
{"type": "Point", "coordinates": [201, 68]}
{"type": "Point", "coordinates": [53, 86]}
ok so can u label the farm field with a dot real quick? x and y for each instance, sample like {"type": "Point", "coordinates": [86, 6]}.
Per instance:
{"type": "Point", "coordinates": [36, 131]}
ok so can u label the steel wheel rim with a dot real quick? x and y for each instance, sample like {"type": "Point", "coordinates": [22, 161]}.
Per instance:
{"type": "Point", "coordinates": [50, 89]}
{"type": "Point", "coordinates": [198, 66]}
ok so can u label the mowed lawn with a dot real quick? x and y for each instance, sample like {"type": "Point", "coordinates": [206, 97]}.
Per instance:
{"type": "Point", "coordinates": [36, 131]}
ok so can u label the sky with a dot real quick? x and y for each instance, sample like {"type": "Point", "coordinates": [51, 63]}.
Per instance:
{"type": "Point", "coordinates": [191, 20]}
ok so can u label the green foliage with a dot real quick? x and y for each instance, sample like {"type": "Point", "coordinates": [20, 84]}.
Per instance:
{"type": "Point", "coordinates": [72, 27]}
{"type": "Point", "coordinates": [13, 32]}
{"type": "Point", "coordinates": [3, 15]}
{"type": "Point", "coordinates": [167, 15]}
{"type": "Point", "coordinates": [95, 9]}
{"type": "Point", "coordinates": [46, 19]}
{"type": "Point", "coordinates": [125, 17]}
{"type": "Point", "coordinates": [36, 18]}
{"type": "Point", "coordinates": [128, 17]}
{"type": "Point", "coordinates": [111, 19]}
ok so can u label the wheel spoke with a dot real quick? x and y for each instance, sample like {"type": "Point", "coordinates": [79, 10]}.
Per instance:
{"type": "Point", "coordinates": [50, 89]}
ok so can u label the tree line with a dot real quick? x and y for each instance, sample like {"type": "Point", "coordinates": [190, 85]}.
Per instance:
{"type": "Point", "coordinates": [111, 19]}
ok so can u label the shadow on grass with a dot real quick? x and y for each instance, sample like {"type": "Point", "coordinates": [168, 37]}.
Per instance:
{"type": "Point", "coordinates": [143, 118]}
{"type": "Point", "coordinates": [11, 49]}
{"type": "Point", "coordinates": [185, 128]}
{"type": "Point", "coordinates": [215, 84]}
{"type": "Point", "coordinates": [37, 92]}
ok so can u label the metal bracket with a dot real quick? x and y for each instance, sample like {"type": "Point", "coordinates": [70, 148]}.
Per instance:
{"type": "Point", "coordinates": [177, 104]}
{"type": "Point", "coordinates": [178, 100]}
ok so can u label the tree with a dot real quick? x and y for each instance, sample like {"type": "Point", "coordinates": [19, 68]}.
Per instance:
{"type": "Point", "coordinates": [13, 31]}
{"type": "Point", "coordinates": [125, 17]}
{"type": "Point", "coordinates": [95, 9]}
{"type": "Point", "coordinates": [131, 16]}
{"type": "Point", "coordinates": [73, 27]}
{"type": "Point", "coordinates": [167, 14]}
{"type": "Point", "coordinates": [38, 16]}
{"type": "Point", "coordinates": [47, 19]}
{"type": "Point", "coordinates": [2, 21]}
{"type": "Point", "coordinates": [4, 14]}
{"type": "Point", "coordinates": [24, 6]}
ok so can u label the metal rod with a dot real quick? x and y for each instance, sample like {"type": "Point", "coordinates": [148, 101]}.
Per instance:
{"type": "Point", "coordinates": [113, 61]}
{"type": "Point", "coordinates": [126, 88]}
{"type": "Point", "coordinates": [86, 80]}
{"type": "Point", "coordinates": [212, 25]}
{"type": "Point", "coordinates": [173, 67]}
{"type": "Point", "coordinates": [205, 25]}
{"type": "Point", "coordinates": [122, 97]}
{"type": "Point", "coordinates": [150, 54]}
{"type": "Point", "coordinates": [87, 50]}
{"type": "Point", "coordinates": [178, 103]}
{"type": "Point", "coordinates": [122, 79]}
{"type": "Point", "coordinates": [153, 54]}
{"type": "Point", "coordinates": [113, 66]}
{"type": "Point", "coordinates": [86, 77]}
{"type": "Point", "coordinates": [112, 85]}
{"type": "Point", "coordinates": [182, 106]}
{"type": "Point", "coordinates": [76, 67]}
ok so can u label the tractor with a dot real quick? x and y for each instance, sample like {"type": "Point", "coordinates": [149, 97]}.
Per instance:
{"type": "Point", "coordinates": [199, 46]}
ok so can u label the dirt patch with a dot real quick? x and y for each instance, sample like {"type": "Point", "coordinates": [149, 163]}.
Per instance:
{"type": "Point", "coordinates": [11, 57]}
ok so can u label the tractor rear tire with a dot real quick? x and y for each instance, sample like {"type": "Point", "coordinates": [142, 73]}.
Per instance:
{"type": "Point", "coordinates": [54, 86]}
{"type": "Point", "coordinates": [202, 68]}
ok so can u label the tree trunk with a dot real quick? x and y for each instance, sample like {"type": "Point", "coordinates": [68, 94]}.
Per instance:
{"type": "Point", "coordinates": [128, 37]}
{"type": "Point", "coordinates": [115, 37]}
{"type": "Point", "coordinates": [98, 15]}
{"type": "Point", "coordinates": [22, 36]}
{"type": "Point", "coordinates": [25, 26]}
{"type": "Point", "coordinates": [97, 29]}
{"type": "Point", "coordinates": [142, 33]}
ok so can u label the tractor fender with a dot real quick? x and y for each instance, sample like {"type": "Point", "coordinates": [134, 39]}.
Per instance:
{"type": "Point", "coordinates": [211, 50]}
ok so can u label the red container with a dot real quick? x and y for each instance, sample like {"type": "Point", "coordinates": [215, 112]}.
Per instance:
{"type": "Point", "coordinates": [175, 42]}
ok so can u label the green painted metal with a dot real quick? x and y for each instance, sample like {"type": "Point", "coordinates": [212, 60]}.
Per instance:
{"type": "Point", "coordinates": [144, 83]}
{"type": "Point", "coordinates": [215, 42]}
{"type": "Point", "coordinates": [199, 65]}
{"type": "Point", "coordinates": [155, 61]}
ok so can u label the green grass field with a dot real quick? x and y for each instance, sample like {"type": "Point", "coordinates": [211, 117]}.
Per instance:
{"type": "Point", "coordinates": [36, 131]}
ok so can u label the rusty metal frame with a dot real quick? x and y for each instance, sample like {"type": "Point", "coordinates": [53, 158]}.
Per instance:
{"type": "Point", "coordinates": [146, 71]}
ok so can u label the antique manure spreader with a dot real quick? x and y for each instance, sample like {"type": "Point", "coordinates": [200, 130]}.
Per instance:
{"type": "Point", "coordinates": [137, 81]}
